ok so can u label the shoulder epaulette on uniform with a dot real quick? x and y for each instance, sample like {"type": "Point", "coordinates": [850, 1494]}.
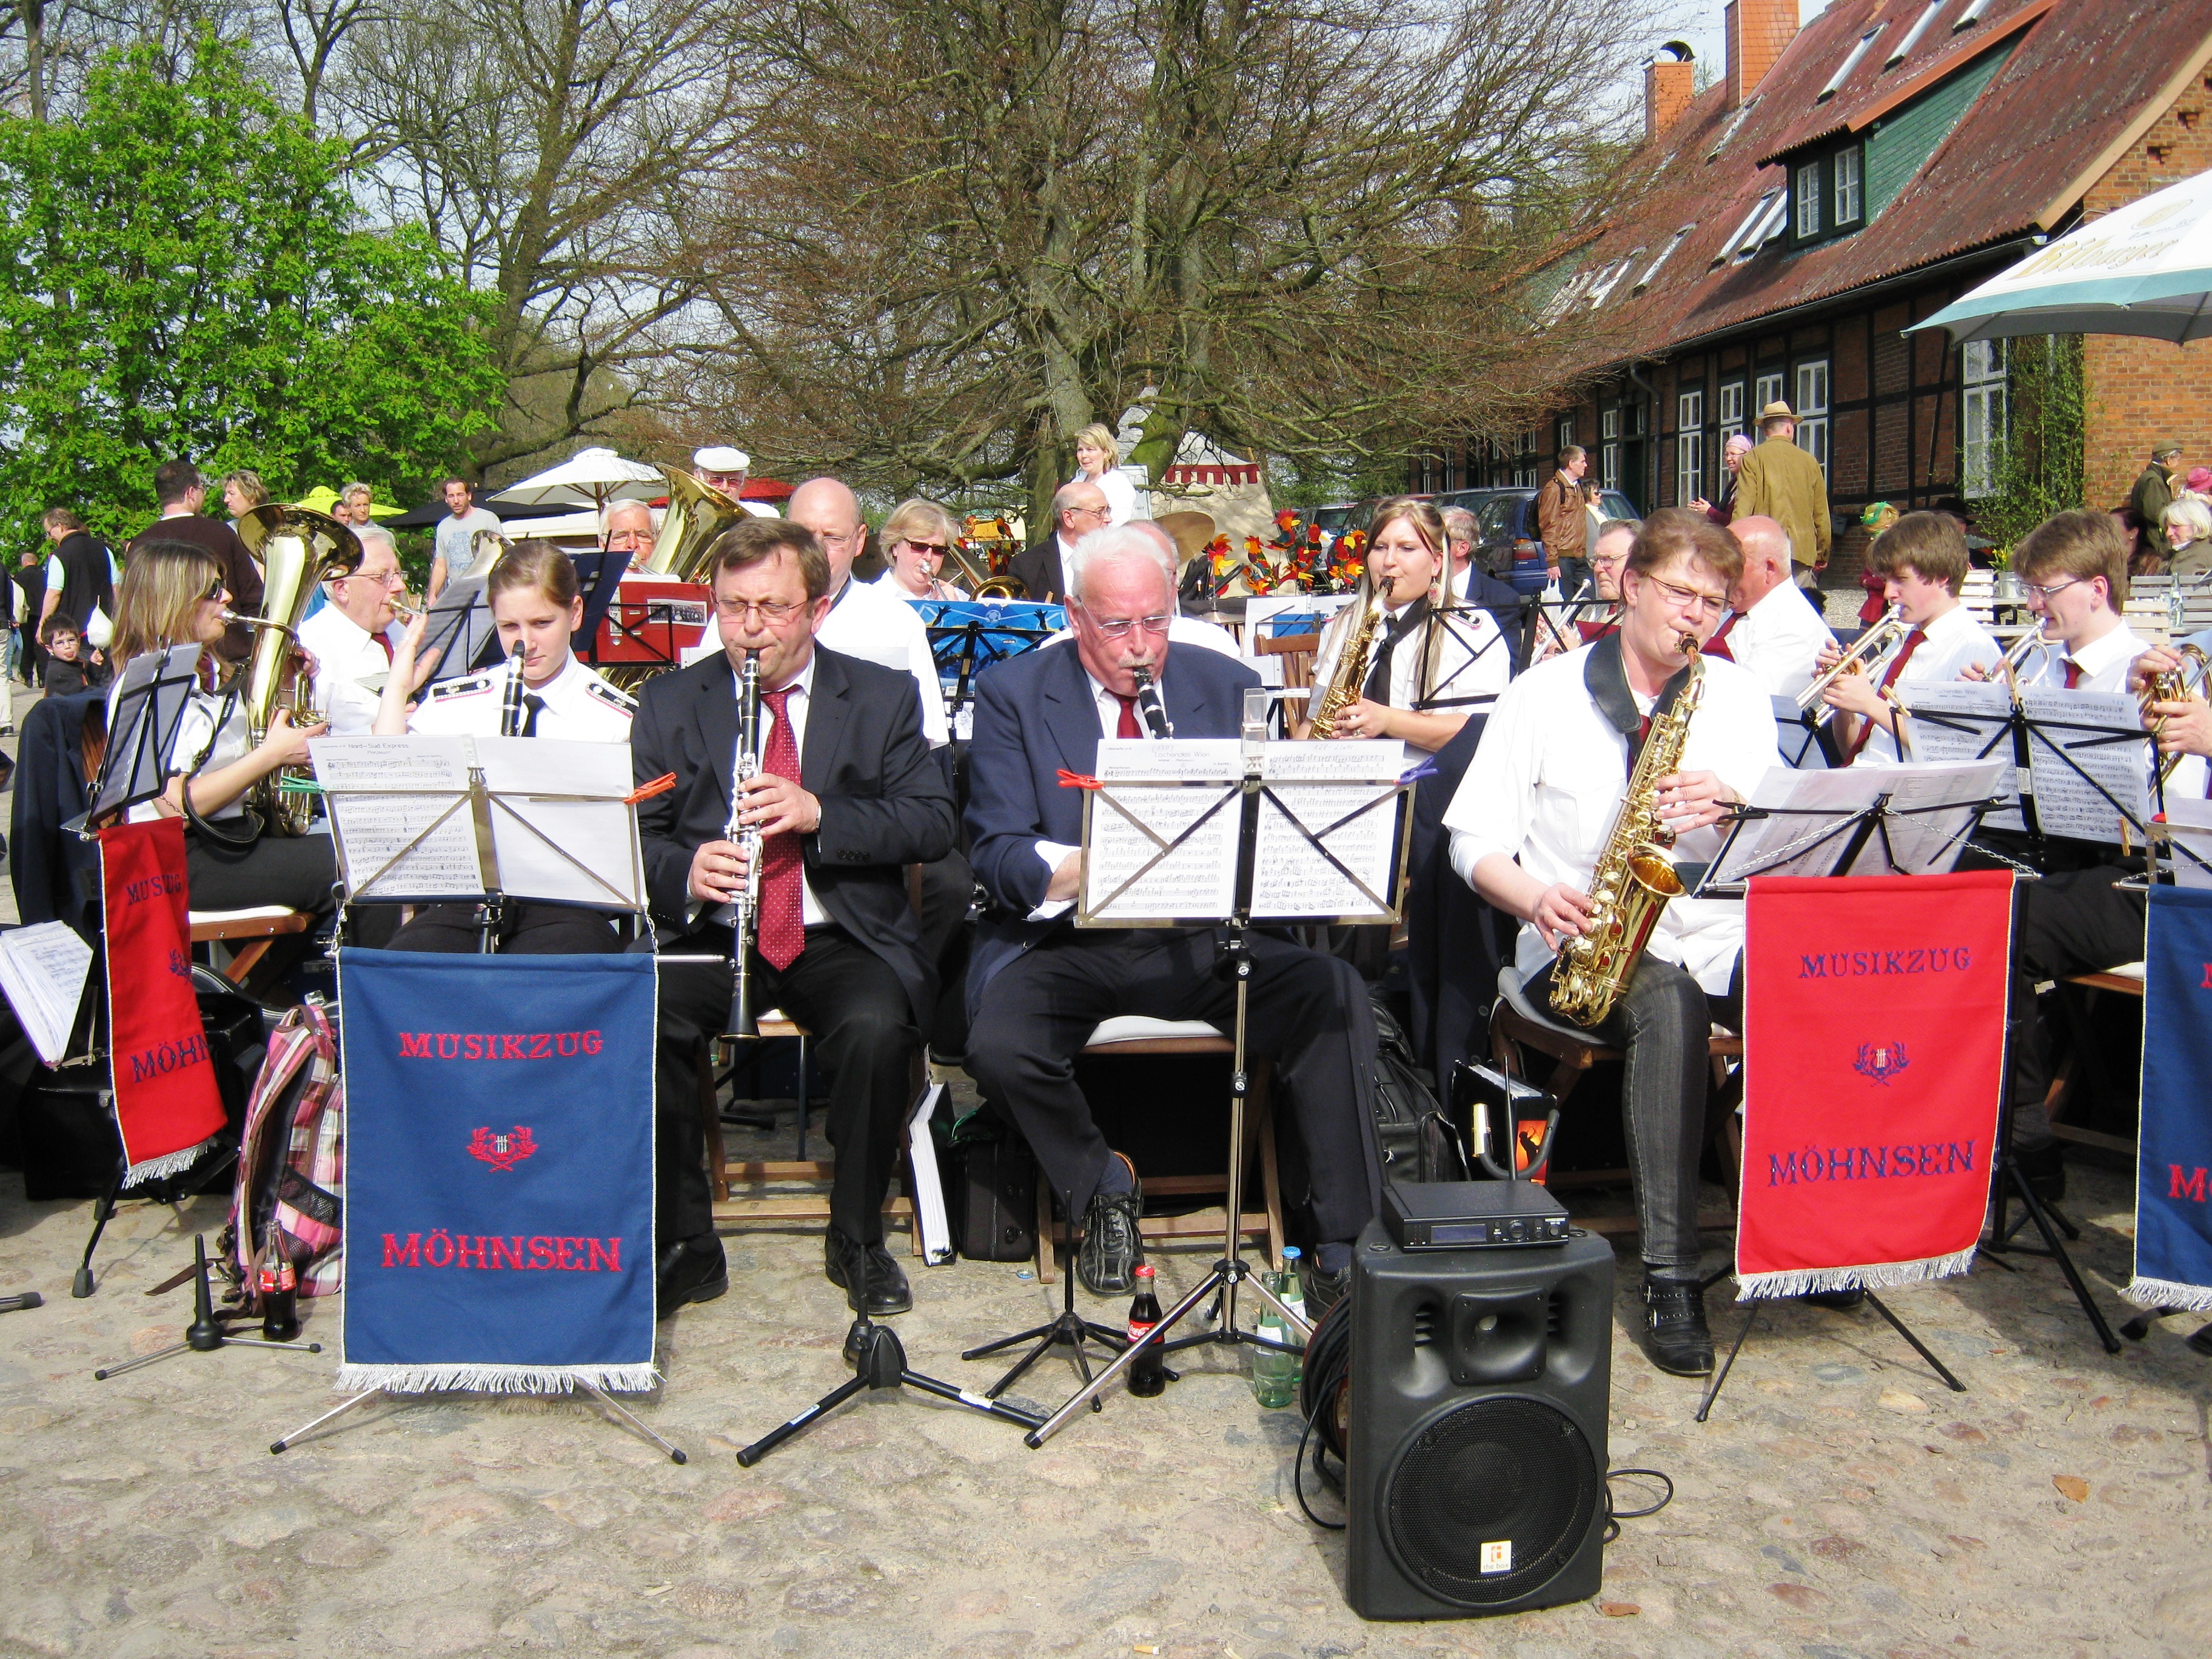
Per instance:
{"type": "Point", "coordinates": [614, 696]}
{"type": "Point", "coordinates": [462, 687]}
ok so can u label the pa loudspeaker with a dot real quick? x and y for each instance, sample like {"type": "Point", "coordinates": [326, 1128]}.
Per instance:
{"type": "Point", "coordinates": [1475, 1468]}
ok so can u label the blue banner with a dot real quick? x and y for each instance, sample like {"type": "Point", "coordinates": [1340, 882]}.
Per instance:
{"type": "Point", "coordinates": [2174, 1212]}
{"type": "Point", "coordinates": [499, 1171]}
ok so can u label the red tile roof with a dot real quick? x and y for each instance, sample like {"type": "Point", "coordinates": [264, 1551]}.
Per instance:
{"type": "Point", "coordinates": [2083, 79]}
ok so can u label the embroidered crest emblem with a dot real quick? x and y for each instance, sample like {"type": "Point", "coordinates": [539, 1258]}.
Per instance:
{"type": "Point", "coordinates": [503, 1151]}
{"type": "Point", "coordinates": [1882, 1060]}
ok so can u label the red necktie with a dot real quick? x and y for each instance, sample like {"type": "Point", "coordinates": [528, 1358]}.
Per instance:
{"type": "Point", "coordinates": [1127, 726]}
{"type": "Point", "coordinates": [1866, 726]}
{"type": "Point", "coordinates": [384, 644]}
{"type": "Point", "coordinates": [1717, 646]}
{"type": "Point", "coordinates": [2073, 674]}
{"type": "Point", "coordinates": [780, 928]}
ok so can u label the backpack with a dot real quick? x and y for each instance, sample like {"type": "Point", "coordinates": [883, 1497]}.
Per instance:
{"type": "Point", "coordinates": [291, 1161]}
{"type": "Point", "coordinates": [1413, 1137]}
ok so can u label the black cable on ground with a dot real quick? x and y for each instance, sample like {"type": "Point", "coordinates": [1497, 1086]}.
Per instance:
{"type": "Point", "coordinates": [1613, 1516]}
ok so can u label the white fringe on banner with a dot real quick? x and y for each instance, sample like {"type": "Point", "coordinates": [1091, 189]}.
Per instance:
{"type": "Point", "coordinates": [496, 1379]}
{"type": "Point", "coordinates": [2168, 1293]}
{"type": "Point", "coordinates": [168, 1163]}
{"type": "Point", "coordinates": [1881, 1276]}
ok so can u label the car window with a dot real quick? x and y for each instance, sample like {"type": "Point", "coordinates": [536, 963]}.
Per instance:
{"type": "Point", "coordinates": [1615, 505]}
{"type": "Point", "coordinates": [1501, 518]}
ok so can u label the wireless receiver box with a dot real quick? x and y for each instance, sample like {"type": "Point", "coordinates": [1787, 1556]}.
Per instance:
{"type": "Point", "coordinates": [1464, 1215]}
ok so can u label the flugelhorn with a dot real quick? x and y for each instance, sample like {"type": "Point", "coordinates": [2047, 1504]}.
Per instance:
{"type": "Point", "coordinates": [1869, 648]}
{"type": "Point", "coordinates": [2184, 684]}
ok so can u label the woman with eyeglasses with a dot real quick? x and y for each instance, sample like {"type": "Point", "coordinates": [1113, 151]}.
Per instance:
{"type": "Point", "coordinates": [172, 594]}
{"type": "Point", "coordinates": [1433, 661]}
{"type": "Point", "coordinates": [1097, 460]}
{"type": "Point", "coordinates": [917, 538]}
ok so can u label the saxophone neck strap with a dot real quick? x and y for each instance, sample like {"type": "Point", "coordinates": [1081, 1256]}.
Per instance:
{"type": "Point", "coordinates": [1605, 678]}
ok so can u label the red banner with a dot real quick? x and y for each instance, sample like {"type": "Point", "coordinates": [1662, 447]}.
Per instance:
{"type": "Point", "coordinates": [1873, 1064]}
{"type": "Point", "coordinates": [166, 1101]}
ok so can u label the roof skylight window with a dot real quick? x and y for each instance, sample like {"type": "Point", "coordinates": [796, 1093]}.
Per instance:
{"type": "Point", "coordinates": [1858, 52]}
{"type": "Point", "coordinates": [1912, 35]}
{"type": "Point", "coordinates": [1665, 254]}
{"type": "Point", "coordinates": [1751, 222]}
{"type": "Point", "coordinates": [1971, 15]}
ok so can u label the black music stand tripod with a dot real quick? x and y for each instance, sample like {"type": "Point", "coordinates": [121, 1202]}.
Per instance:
{"type": "Point", "coordinates": [1068, 1327]}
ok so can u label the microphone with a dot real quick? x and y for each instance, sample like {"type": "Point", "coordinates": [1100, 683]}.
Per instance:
{"type": "Point", "coordinates": [1148, 705]}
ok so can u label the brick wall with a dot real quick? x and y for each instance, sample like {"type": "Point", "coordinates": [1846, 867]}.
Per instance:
{"type": "Point", "coordinates": [2143, 392]}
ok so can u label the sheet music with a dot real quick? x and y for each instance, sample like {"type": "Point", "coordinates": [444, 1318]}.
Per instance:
{"type": "Point", "coordinates": [2190, 822]}
{"type": "Point", "coordinates": [1931, 811]}
{"type": "Point", "coordinates": [1198, 879]}
{"type": "Point", "coordinates": [42, 969]}
{"type": "Point", "coordinates": [372, 825]}
{"type": "Point", "coordinates": [1318, 784]}
{"type": "Point", "coordinates": [1804, 840]}
{"type": "Point", "coordinates": [1957, 721]}
{"type": "Point", "coordinates": [2102, 733]}
{"type": "Point", "coordinates": [596, 834]}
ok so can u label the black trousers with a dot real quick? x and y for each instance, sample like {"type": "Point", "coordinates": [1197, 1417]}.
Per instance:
{"type": "Point", "coordinates": [1662, 1022]}
{"type": "Point", "coordinates": [525, 930]}
{"type": "Point", "coordinates": [295, 870]}
{"type": "Point", "coordinates": [865, 1036]}
{"type": "Point", "coordinates": [1309, 1013]}
{"type": "Point", "coordinates": [948, 892]}
{"type": "Point", "coordinates": [2073, 922]}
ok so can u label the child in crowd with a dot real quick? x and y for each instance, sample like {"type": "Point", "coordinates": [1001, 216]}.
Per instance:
{"type": "Point", "coordinates": [70, 667]}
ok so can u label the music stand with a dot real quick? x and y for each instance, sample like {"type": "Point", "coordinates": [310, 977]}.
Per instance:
{"type": "Point", "coordinates": [1162, 849]}
{"type": "Point", "coordinates": [967, 636]}
{"type": "Point", "coordinates": [598, 578]}
{"type": "Point", "coordinates": [149, 708]}
{"type": "Point", "coordinates": [460, 629]}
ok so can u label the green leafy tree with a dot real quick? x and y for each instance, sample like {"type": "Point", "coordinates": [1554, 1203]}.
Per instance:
{"type": "Point", "coordinates": [2038, 468]}
{"type": "Point", "coordinates": [182, 274]}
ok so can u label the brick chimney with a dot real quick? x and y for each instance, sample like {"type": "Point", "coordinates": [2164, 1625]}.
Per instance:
{"type": "Point", "coordinates": [1758, 32]}
{"type": "Point", "coordinates": [1669, 84]}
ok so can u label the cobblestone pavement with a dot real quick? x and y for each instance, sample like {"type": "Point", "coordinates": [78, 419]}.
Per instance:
{"type": "Point", "coordinates": [1840, 1502]}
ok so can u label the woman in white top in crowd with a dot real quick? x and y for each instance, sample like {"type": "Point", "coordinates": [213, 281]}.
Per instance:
{"type": "Point", "coordinates": [916, 539]}
{"type": "Point", "coordinates": [1096, 457]}
{"type": "Point", "coordinates": [172, 594]}
{"type": "Point", "coordinates": [1433, 661]}
{"type": "Point", "coordinates": [541, 690]}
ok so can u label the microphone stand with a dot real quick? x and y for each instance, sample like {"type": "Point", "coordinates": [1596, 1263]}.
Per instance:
{"type": "Point", "coordinates": [206, 1332]}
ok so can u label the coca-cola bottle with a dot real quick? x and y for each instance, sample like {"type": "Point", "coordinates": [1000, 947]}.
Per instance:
{"type": "Point", "coordinates": [1148, 1371]}
{"type": "Point", "coordinates": [278, 1283]}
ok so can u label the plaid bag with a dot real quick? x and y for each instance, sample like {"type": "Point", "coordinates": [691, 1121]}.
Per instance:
{"type": "Point", "coordinates": [291, 1160]}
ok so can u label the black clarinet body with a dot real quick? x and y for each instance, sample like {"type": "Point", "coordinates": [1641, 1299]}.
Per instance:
{"type": "Point", "coordinates": [745, 1020]}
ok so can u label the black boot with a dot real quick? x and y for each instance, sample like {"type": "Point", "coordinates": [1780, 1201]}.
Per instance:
{"type": "Point", "coordinates": [1674, 1333]}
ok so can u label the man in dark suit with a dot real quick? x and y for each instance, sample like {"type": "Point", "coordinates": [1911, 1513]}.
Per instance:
{"type": "Point", "coordinates": [1077, 509]}
{"type": "Point", "coordinates": [847, 794]}
{"type": "Point", "coordinates": [1036, 986]}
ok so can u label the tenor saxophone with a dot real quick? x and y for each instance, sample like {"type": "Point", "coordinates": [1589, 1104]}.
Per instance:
{"type": "Point", "coordinates": [1344, 688]}
{"type": "Point", "coordinates": [1634, 877]}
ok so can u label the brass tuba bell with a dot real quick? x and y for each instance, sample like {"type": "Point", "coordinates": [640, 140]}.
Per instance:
{"type": "Point", "coordinates": [696, 517]}
{"type": "Point", "coordinates": [296, 548]}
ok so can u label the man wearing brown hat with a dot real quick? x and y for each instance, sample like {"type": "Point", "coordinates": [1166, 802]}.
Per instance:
{"type": "Point", "coordinates": [1781, 481]}
{"type": "Point", "coordinates": [2154, 492]}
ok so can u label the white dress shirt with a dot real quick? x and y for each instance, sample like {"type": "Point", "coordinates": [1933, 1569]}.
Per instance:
{"type": "Point", "coordinates": [811, 913]}
{"type": "Point", "coordinates": [1954, 642]}
{"type": "Point", "coordinates": [1779, 640]}
{"type": "Point", "coordinates": [891, 584]}
{"type": "Point", "coordinates": [2104, 662]}
{"type": "Point", "coordinates": [1545, 785]}
{"type": "Point", "coordinates": [1109, 705]}
{"type": "Point", "coordinates": [580, 706]}
{"type": "Point", "coordinates": [349, 661]}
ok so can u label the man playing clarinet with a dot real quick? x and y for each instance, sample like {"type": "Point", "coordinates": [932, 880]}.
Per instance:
{"type": "Point", "coordinates": [845, 795]}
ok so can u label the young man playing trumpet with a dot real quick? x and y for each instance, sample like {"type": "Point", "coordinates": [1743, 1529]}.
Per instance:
{"type": "Point", "coordinates": [1533, 818]}
{"type": "Point", "coordinates": [2073, 568]}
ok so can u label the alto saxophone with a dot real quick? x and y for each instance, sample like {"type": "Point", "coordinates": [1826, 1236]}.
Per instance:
{"type": "Point", "coordinates": [1634, 877]}
{"type": "Point", "coordinates": [1344, 688]}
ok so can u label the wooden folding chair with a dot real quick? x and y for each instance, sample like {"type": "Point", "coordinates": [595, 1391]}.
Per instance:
{"type": "Point", "coordinates": [245, 936]}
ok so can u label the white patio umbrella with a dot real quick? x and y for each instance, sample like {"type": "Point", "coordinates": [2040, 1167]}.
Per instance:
{"type": "Point", "coordinates": [2144, 269]}
{"type": "Point", "coordinates": [590, 478]}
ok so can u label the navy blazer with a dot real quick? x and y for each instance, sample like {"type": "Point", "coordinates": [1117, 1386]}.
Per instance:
{"type": "Point", "coordinates": [885, 800]}
{"type": "Point", "coordinates": [1036, 716]}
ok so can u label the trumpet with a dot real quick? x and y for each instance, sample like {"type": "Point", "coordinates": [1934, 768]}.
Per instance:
{"type": "Point", "coordinates": [2015, 654]}
{"type": "Point", "coordinates": [2184, 684]}
{"type": "Point", "coordinates": [1869, 647]}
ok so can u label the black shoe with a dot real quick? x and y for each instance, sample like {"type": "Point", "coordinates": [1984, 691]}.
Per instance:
{"type": "Point", "coordinates": [1674, 1333]}
{"type": "Point", "coordinates": [849, 1265]}
{"type": "Point", "coordinates": [1112, 1244]}
{"type": "Point", "coordinates": [1323, 1291]}
{"type": "Point", "coordinates": [2043, 1169]}
{"type": "Point", "coordinates": [691, 1270]}
{"type": "Point", "coordinates": [1841, 1301]}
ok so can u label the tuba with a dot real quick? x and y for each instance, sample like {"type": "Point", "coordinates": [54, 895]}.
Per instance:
{"type": "Point", "coordinates": [1343, 687]}
{"type": "Point", "coordinates": [695, 519]}
{"type": "Point", "coordinates": [1634, 877]}
{"type": "Point", "coordinates": [296, 548]}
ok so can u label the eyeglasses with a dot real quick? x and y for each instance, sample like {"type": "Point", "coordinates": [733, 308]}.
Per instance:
{"type": "Point", "coordinates": [215, 593]}
{"type": "Point", "coordinates": [936, 550]}
{"type": "Point", "coordinates": [774, 612]}
{"type": "Point", "coordinates": [1689, 598]}
{"type": "Point", "coordinates": [2043, 590]}
{"type": "Point", "coordinates": [1092, 512]}
{"type": "Point", "coordinates": [1121, 626]}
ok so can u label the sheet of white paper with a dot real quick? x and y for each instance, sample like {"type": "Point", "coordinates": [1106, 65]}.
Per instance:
{"type": "Point", "coordinates": [1800, 745]}
{"type": "Point", "coordinates": [1956, 721]}
{"type": "Point", "coordinates": [2191, 823]}
{"type": "Point", "coordinates": [42, 969]}
{"type": "Point", "coordinates": [1345, 794]}
{"type": "Point", "coordinates": [2101, 732]}
{"type": "Point", "coordinates": [1804, 839]}
{"type": "Point", "coordinates": [1931, 808]}
{"type": "Point", "coordinates": [929, 1185]}
{"type": "Point", "coordinates": [361, 778]}
{"type": "Point", "coordinates": [598, 834]}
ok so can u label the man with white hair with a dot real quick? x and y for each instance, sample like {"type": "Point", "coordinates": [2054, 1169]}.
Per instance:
{"type": "Point", "coordinates": [721, 468]}
{"type": "Point", "coordinates": [1772, 627]}
{"type": "Point", "coordinates": [351, 653]}
{"type": "Point", "coordinates": [1183, 630]}
{"type": "Point", "coordinates": [628, 527]}
{"type": "Point", "coordinates": [1723, 510]}
{"type": "Point", "coordinates": [1037, 987]}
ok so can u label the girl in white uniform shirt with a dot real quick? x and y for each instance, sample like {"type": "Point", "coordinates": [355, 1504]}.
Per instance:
{"type": "Point", "coordinates": [1922, 560]}
{"type": "Point", "coordinates": [1432, 663]}
{"type": "Point", "coordinates": [535, 604]}
{"type": "Point", "coordinates": [172, 594]}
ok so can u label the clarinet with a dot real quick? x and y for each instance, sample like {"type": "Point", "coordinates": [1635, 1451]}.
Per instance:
{"type": "Point", "coordinates": [743, 767]}
{"type": "Point", "coordinates": [510, 702]}
{"type": "Point", "coordinates": [1148, 705]}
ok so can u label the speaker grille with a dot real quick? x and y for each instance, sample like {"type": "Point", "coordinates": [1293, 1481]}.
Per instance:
{"type": "Point", "coordinates": [1501, 1469]}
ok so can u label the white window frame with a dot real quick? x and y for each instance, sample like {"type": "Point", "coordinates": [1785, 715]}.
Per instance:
{"type": "Point", "coordinates": [1769, 226]}
{"type": "Point", "coordinates": [1767, 391]}
{"type": "Point", "coordinates": [1812, 407]}
{"type": "Point", "coordinates": [1984, 391]}
{"type": "Point", "coordinates": [1611, 280]}
{"type": "Point", "coordinates": [1911, 38]}
{"type": "Point", "coordinates": [1567, 433]}
{"type": "Point", "coordinates": [1731, 411]}
{"type": "Point", "coordinates": [1608, 449]}
{"type": "Point", "coordinates": [1689, 446]}
{"type": "Point", "coordinates": [1665, 254]}
{"type": "Point", "coordinates": [1847, 170]}
{"type": "Point", "coordinates": [1750, 222]}
{"type": "Point", "coordinates": [1805, 199]}
{"type": "Point", "coordinates": [1971, 15]}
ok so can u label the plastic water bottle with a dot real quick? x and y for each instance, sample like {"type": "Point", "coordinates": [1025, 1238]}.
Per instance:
{"type": "Point", "coordinates": [1274, 1374]}
{"type": "Point", "coordinates": [1148, 1371]}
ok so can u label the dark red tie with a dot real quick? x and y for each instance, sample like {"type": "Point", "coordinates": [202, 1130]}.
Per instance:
{"type": "Point", "coordinates": [2073, 674]}
{"type": "Point", "coordinates": [384, 644]}
{"type": "Point", "coordinates": [1127, 726]}
{"type": "Point", "coordinates": [781, 927]}
{"type": "Point", "coordinates": [1866, 726]}
{"type": "Point", "coordinates": [1717, 646]}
